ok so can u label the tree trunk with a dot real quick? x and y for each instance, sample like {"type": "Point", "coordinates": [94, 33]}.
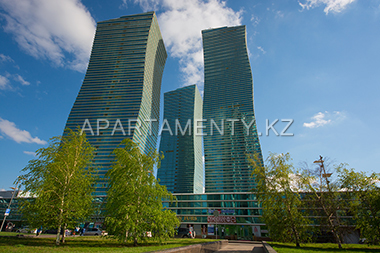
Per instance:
{"type": "Point", "coordinates": [331, 222]}
{"type": "Point", "coordinates": [135, 242]}
{"type": "Point", "coordinates": [57, 236]}
{"type": "Point", "coordinates": [64, 234]}
{"type": "Point", "coordinates": [337, 238]}
{"type": "Point", "coordinates": [296, 237]}
{"type": "Point", "coordinates": [294, 229]}
{"type": "Point", "coordinates": [126, 236]}
{"type": "Point", "coordinates": [60, 224]}
{"type": "Point", "coordinates": [334, 231]}
{"type": "Point", "coordinates": [60, 219]}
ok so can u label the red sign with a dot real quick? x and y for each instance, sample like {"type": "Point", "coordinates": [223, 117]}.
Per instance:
{"type": "Point", "coordinates": [221, 219]}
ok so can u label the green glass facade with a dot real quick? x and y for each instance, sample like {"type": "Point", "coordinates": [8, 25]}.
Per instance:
{"type": "Point", "coordinates": [228, 102]}
{"type": "Point", "coordinates": [239, 213]}
{"type": "Point", "coordinates": [14, 214]}
{"type": "Point", "coordinates": [182, 168]}
{"type": "Point", "coordinates": [121, 88]}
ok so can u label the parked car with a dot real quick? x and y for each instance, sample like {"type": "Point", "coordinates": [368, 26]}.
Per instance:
{"type": "Point", "coordinates": [26, 230]}
{"type": "Point", "coordinates": [94, 231]}
{"type": "Point", "coordinates": [9, 227]}
{"type": "Point", "coordinates": [183, 233]}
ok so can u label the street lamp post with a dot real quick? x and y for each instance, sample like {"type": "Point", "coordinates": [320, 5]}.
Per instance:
{"type": "Point", "coordinates": [216, 214]}
{"type": "Point", "coordinates": [322, 171]}
{"type": "Point", "coordinates": [9, 205]}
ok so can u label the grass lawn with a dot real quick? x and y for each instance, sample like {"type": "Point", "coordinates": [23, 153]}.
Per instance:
{"type": "Point", "coordinates": [10, 242]}
{"type": "Point", "coordinates": [322, 248]}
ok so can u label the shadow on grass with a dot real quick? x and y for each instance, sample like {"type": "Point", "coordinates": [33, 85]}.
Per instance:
{"type": "Point", "coordinates": [86, 242]}
{"type": "Point", "coordinates": [326, 248]}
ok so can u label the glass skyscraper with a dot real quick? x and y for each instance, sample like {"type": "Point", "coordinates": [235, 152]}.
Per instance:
{"type": "Point", "coordinates": [121, 89]}
{"type": "Point", "coordinates": [182, 168]}
{"type": "Point", "coordinates": [230, 130]}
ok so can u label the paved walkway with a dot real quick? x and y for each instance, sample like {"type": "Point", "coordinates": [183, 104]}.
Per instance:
{"type": "Point", "coordinates": [242, 247]}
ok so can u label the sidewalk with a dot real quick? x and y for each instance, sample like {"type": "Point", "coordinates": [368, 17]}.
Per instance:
{"type": "Point", "coordinates": [242, 247]}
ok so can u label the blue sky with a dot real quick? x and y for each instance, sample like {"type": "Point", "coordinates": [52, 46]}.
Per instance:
{"type": "Point", "coordinates": [314, 61]}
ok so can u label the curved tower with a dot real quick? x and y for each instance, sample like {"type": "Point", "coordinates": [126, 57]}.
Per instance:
{"type": "Point", "coordinates": [182, 167]}
{"type": "Point", "coordinates": [121, 89]}
{"type": "Point", "coordinates": [228, 105]}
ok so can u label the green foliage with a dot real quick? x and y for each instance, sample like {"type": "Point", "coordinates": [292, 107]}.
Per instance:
{"type": "Point", "coordinates": [327, 198]}
{"type": "Point", "coordinates": [279, 195]}
{"type": "Point", "coordinates": [329, 194]}
{"type": "Point", "coordinates": [364, 195]}
{"type": "Point", "coordinates": [134, 202]}
{"type": "Point", "coordinates": [61, 179]}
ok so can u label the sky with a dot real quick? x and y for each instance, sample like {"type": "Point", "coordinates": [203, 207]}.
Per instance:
{"type": "Point", "coordinates": [314, 62]}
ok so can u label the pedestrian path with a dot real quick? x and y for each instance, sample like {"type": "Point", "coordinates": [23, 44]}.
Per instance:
{"type": "Point", "coordinates": [242, 247]}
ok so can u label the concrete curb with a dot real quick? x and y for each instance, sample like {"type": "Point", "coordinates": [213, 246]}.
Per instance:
{"type": "Point", "coordinates": [268, 248]}
{"type": "Point", "coordinates": [208, 247]}
{"type": "Point", "coordinates": [241, 241]}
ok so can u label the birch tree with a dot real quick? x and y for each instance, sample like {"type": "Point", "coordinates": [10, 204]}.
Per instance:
{"type": "Point", "coordinates": [364, 195]}
{"type": "Point", "coordinates": [278, 191]}
{"type": "Point", "coordinates": [134, 198]}
{"type": "Point", "coordinates": [61, 179]}
{"type": "Point", "coordinates": [326, 198]}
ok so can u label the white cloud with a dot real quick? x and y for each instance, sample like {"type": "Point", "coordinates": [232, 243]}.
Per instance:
{"type": "Point", "coordinates": [9, 128]}
{"type": "Point", "coordinates": [4, 83]}
{"type": "Point", "coordinates": [262, 50]}
{"type": "Point", "coordinates": [124, 5]}
{"type": "Point", "coordinates": [331, 5]}
{"type": "Point", "coordinates": [255, 20]}
{"type": "Point", "coordinates": [147, 5]}
{"type": "Point", "coordinates": [21, 80]}
{"type": "Point", "coordinates": [181, 22]}
{"type": "Point", "coordinates": [30, 153]}
{"type": "Point", "coordinates": [279, 14]}
{"type": "Point", "coordinates": [5, 58]}
{"type": "Point", "coordinates": [60, 31]}
{"type": "Point", "coordinates": [320, 119]}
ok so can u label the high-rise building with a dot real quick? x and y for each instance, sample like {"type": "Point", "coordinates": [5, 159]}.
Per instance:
{"type": "Point", "coordinates": [230, 127]}
{"type": "Point", "coordinates": [121, 89]}
{"type": "Point", "coordinates": [182, 167]}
